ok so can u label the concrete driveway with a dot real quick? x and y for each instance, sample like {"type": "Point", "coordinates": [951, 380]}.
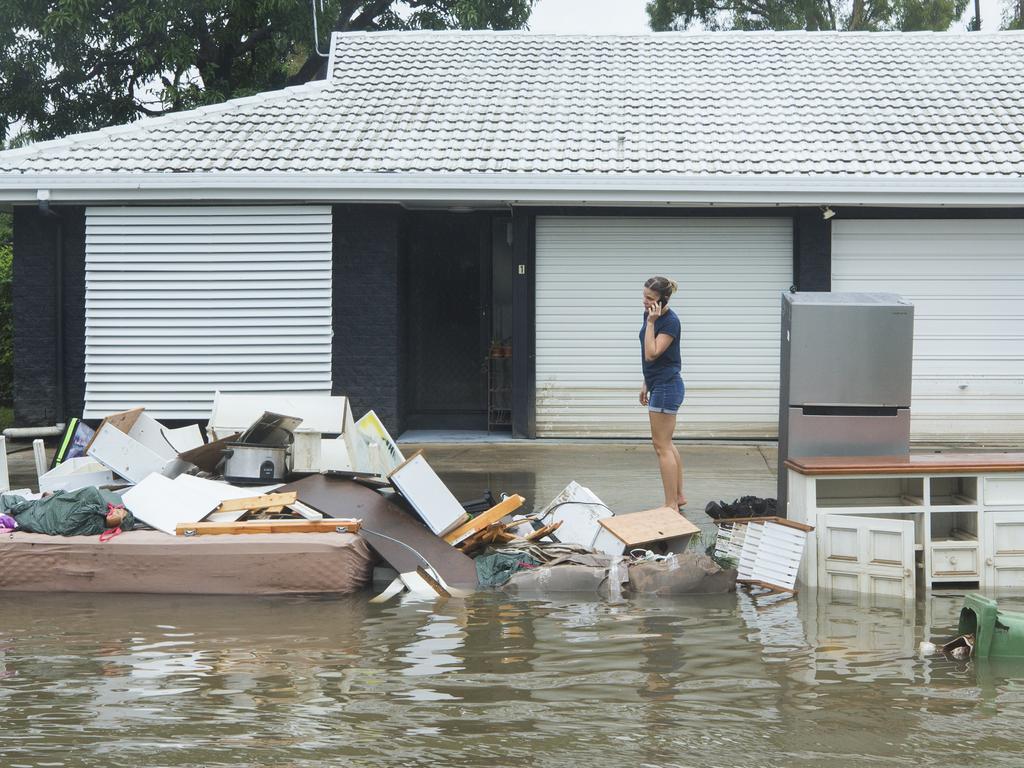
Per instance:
{"type": "Point", "coordinates": [623, 474]}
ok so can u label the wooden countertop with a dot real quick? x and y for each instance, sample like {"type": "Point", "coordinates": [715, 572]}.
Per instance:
{"type": "Point", "coordinates": [915, 464]}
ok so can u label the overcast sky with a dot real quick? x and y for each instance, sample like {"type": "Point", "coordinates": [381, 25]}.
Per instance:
{"type": "Point", "coordinates": [628, 17]}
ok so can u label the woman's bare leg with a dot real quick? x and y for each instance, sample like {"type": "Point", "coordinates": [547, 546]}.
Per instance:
{"type": "Point", "coordinates": [680, 496]}
{"type": "Point", "coordinates": [662, 427]}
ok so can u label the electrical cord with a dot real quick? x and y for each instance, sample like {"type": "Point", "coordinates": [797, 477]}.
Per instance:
{"type": "Point", "coordinates": [553, 507]}
{"type": "Point", "coordinates": [363, 529]}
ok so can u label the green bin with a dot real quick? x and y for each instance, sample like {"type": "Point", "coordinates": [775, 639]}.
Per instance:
{"type": "Point", "coordinates": [996, 633]}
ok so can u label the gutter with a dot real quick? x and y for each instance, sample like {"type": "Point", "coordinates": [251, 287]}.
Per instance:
{"type": "Point", "coordinates": [612, 189]}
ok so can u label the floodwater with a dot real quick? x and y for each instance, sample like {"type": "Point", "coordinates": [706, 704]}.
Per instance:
{"type": "Point", "coordinates": [128, 680]}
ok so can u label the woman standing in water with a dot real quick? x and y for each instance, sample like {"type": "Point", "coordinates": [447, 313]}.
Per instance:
{"type": "Point", "coordinates": [663, 390]}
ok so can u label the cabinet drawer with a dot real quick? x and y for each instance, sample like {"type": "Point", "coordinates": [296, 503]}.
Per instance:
{"type": "Point", "coordinates": [1004, 490]}
{"type": "Point", "coordinates": [954, 559]}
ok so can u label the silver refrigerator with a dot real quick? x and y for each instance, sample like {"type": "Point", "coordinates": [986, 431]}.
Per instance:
{"type": "Point", "coordinates": [845, 376]}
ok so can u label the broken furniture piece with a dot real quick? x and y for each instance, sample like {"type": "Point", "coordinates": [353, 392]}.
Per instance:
{"type": "Point", "coordinates": [163, 503]}
{"type": "Point", "coordinates": [326, 525]}
{"type": "Point", "coordinates": [419, 484]}
{"type": "Point", "coordinates": [659, 530]}
{"type": "Point", "coordinates": [133, 445]}
{"type": "Point", "coordinates": [767, 550]}
{"type": "Point", "coordinates": [75, 473]}
{"type": "Point", "coordinates": [881, 520]}
{"type": "Point", "coordinates": [580, 511]}
{"type": "Point", "coordinates": [399, 537]}
{"type": "Point", "coordinates": [502, 509]}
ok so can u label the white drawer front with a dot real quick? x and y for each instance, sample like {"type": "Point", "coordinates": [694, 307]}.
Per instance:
{"type": "Point", "coordinates": [1004, 490]}
{"type": "Point", "coordinates": [954, 560]}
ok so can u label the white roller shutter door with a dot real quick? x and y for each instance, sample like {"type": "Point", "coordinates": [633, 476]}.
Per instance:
{"type": "Point", "coordinates": [182, 301]}
{"type": "Point", "coordinates": [590, 274]}
{"type": "Point", "coordinates": [966, 280]}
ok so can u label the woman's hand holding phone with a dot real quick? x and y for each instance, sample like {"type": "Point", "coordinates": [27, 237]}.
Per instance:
{"type": "Point", "coordinates": [655, 311]}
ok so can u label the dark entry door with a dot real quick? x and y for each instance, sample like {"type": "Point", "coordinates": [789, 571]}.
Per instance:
{"type": "Point", "coordinates": [448, 297]}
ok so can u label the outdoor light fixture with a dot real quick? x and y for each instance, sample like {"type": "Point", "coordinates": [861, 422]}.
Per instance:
{"type": "Point", "coordinates": [827, 213]}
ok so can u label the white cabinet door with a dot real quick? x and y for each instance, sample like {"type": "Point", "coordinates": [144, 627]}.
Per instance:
{"type": "Point", "coordinates": [1004, 549]}
{"type": "Point", "coordinates": [866, 554]}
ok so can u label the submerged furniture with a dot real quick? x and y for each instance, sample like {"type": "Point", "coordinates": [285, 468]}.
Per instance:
{"type": "Point", "coordinates": [881, 522]}
{"type": "Point", "coordinates": [767, 550]}
{"type": "Point", "coordinates": [996, 633]}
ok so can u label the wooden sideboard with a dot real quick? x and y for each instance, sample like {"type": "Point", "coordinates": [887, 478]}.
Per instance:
{"type": "Point", "coordinates": [886, 524]}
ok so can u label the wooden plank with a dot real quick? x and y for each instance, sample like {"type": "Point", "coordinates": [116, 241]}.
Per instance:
{"type": "Point", "coordinates": [329, 525]}
{"type": "Point", "coordinates": [649, 525]}
{"type": "Point", "coordinates": [779, 520]}
{"type": "Point", "coordinates": [441, 591]}
{"type": "Point", "coordinates": [547, 530]}
{"type": "Point", "coordinates": [266, 501]}
{"type": "Point", "coordinates": [481, 521]}
{"type": "Point", "coordinates": [925, 464]}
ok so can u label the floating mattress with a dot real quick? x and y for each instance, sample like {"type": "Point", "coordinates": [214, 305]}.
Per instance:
{"type": "Point", "coordinates": [155, 563]}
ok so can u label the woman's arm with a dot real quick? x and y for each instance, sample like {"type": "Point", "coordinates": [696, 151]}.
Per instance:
{"type": "Point", "coordinates": [654, 346]}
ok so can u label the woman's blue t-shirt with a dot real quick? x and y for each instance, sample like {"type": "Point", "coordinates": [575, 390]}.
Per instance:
{"type": "Point", "coordinates": [670, 363]}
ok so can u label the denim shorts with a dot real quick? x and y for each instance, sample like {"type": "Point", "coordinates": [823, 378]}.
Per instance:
{"type": "Point", "coordinates": [666, 397]}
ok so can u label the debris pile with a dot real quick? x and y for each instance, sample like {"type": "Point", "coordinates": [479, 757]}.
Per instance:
{"type": "Point", "coordinates": [277, 464]}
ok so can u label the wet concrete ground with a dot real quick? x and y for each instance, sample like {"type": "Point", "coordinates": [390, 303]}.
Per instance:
{"type": "Point", "coordinates": [623, 474]}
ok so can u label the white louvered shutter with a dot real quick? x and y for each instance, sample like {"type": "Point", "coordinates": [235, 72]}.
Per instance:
{"type": "Point", "coordinates": [185, 300]}
{"type": "Point", "coordinates": [590, 274]}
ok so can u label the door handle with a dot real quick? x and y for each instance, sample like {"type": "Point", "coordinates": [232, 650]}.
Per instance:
{"type": "Point", "coordinates": [906, 572]}
{"type": "Point", "coordinates": [988, 561]}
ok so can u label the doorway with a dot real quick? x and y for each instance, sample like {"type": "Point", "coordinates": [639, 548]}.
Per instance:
{"type": "Point", "coordinates": [457, 282]}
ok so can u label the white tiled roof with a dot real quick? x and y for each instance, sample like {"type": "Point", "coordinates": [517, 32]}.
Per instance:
{"type": "Point", "coordinates": [709, 105]}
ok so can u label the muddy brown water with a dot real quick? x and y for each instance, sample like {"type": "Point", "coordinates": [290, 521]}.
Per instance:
{"type": "Point", "coordinates": [491, 680]}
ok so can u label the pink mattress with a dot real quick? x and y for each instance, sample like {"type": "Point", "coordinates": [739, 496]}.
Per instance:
{"type": "Point", "coordinates": [154, 562]}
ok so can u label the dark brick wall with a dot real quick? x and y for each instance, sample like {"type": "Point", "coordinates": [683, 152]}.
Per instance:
{"type": "Point", "coordinates": [37, 385]}
{"type": "Point", "coordinates": [367, 348]}
{"type": "Point", "coordinates": [812, 251]}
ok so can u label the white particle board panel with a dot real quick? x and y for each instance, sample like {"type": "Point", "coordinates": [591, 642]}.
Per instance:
{"type": "Point", "coordinates": [428, 495]}
{"type": "Point", "coordinates": [163, 503]}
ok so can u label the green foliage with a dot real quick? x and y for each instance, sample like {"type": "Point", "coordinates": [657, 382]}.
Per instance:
{"type": "Point", "coordinates": [1013, 15]}
{"type": "Point", "coordinates": [75, 65]}
{"type": "Point", "coordinates": [6, 314]}
{"type": "Point", "coordinates": [811, 15]}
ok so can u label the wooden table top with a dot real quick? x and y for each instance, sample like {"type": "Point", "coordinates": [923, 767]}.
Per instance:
{"type": "Point", "coordinates": [915, 464]}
